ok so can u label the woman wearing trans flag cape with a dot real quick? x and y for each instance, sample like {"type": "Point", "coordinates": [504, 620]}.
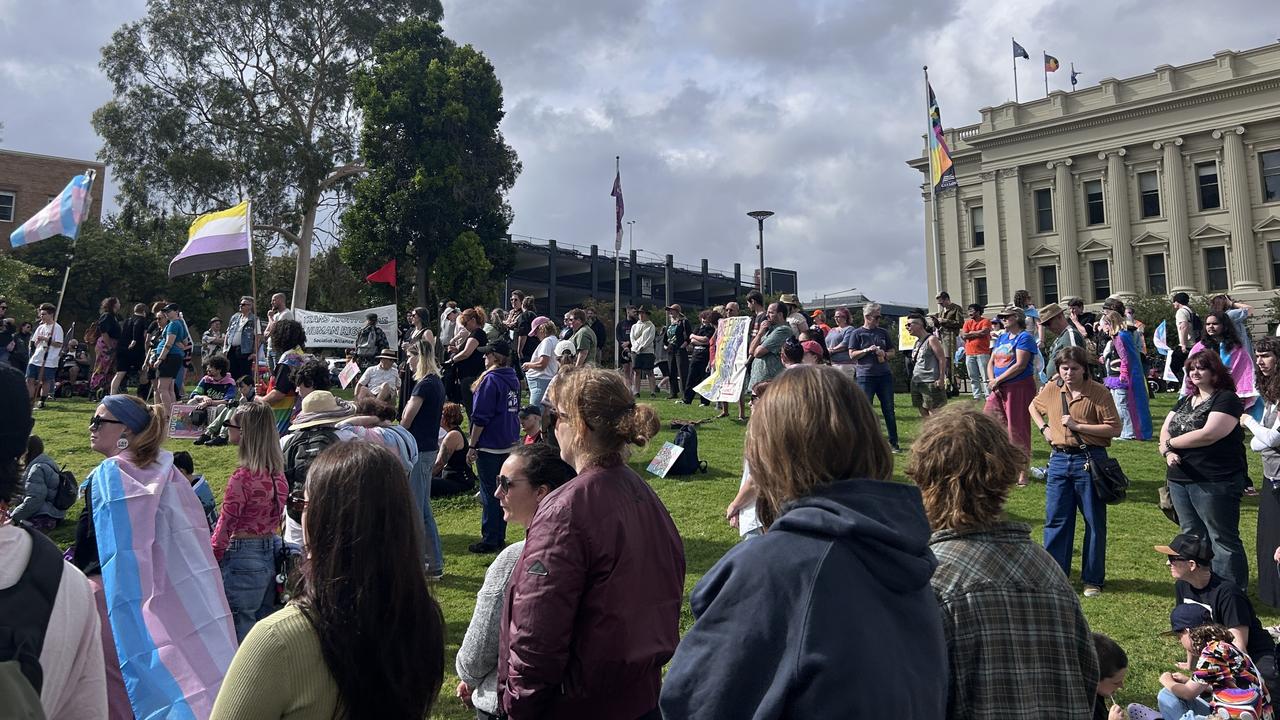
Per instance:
{"type": "Point", "coordinates": [1122, 366]}
{"type": "Point", "coordinates": [1220, 335]}
{"type": "Point", "coordinates": [144, 543]}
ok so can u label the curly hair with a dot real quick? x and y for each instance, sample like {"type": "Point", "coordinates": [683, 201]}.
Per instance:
{"type": "Point", "coordinates": [1205, 634]}
{"type": "Point", "coordinates": [1228, 341]}
{"type": "Point", "coordinates": [964, 465]}
{"type": "Point", "coordinates": [287, 335]}
{"type": "Point", "coordinates": [1268, 387]}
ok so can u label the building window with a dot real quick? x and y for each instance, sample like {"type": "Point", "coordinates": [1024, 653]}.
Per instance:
{"type": "Point", "coordinates": [1207, 179]}
{"type": "Point", "coordinates": [1270, 162]}
{"type": "Point", "coordinates": [980, 288]}
{"type": "Point", "coordinates": [1101, 280]}
{"type": "Point", "coordinates": [6, 207]}
{"type": "Point", "coordinates": [1274, 249]}
{"type": "Point", "coordinates": [977, 227]}
{"type": "Point", "coordinates": [1094, 211]}
{"type": "Point", "coordinates": [1149, 189]}
{"type": "Point", "coordinates": [1044, 210]}
{"type": "Point", "coordinates": [1049, 284]}
{"type": "Point", "coordinates": [1215, 268]}
{"type": "Point", "coordinates": [1156, 283]}
{"type": "Point", "coordinates": [646, 286]}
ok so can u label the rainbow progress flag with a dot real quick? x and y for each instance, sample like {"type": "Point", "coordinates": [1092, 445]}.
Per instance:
{"type": "Point", "coordinates": [169, 615]}
{"type": "Point", "coordinates": [724, 384]}
{"type": "Point", "coordinates": [217, 240]}
{"type": "Point", "coordinates": [944, 173]}
{"type": "Point", "coordinates": [62, 216]}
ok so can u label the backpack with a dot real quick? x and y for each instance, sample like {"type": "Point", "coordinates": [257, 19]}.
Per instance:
{"type": "Point", "coordinates": [68, 490]}
{"type": "Point", "coordinates": [1197, 326]}
{"type": "Point", "coordinates": [91, 333]}
{"type": "Point", "coordinates": [302, 450]}
{"type": "Point", "coordinates": [688, 462]}
{"type": "Point", "coordinates": [25, 609]}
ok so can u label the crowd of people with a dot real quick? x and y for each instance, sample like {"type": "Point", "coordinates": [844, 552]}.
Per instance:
{"type": "Point", "coordinates": [316, 567]}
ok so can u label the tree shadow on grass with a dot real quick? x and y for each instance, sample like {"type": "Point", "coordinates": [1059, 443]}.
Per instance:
{"type": "Point", "coordinates": [1153, 588]}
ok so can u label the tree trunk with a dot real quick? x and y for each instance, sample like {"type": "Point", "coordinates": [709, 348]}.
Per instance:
{"type": "Point", "coordinates": [302, 277]}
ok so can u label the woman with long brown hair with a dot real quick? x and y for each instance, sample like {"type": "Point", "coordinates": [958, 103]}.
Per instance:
{"type": "Point", "coordinates": [1266, 441]}
{"type": "Point", "coordinates": [845, 556]}
{"type": "Point", "coordinates": [593, 608]}
{"type": "Point", "coordinates": [363, 638]}
{"type": "Point", "coordinates": [107, 328]}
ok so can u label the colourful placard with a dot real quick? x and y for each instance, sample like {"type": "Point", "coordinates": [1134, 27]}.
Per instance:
{"type": "Point", "coordinates": [180, 425]}
{"type": "Point", "coordinates": [724, 384]}
{"type": "Point", "coordinates": [666, 457]}
{"type": "Point", "coordinates": [350, 372]}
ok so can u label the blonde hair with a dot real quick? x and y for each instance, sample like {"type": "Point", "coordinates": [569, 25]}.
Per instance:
{"type": "Point", "coordinates": [144, 447]}
{"type": "Point", "coordinates": [805, 402]}
{"type": "Point", "coordinates": [259, 439]}
{"type": "Point", "coordinates": [964, 465]}
{"type": "Point", "coordinates": [599, 400]}
{"type": "Point", "coordinates": [426, 360]}
{"type": "Point", "coordinates": [548, 329]}
{"type": "Point", "coordinates": [1112, 318]}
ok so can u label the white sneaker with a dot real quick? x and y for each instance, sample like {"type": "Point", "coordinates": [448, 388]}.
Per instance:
{"type": "Point", "coordinates": [1092, 591]}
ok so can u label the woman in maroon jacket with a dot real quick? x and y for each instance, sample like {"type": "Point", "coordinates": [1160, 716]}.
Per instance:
{"type": "Point", "coordinates": [593, 610]}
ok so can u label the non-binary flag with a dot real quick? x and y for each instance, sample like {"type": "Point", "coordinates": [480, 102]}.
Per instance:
{"type": "Point", "coordinates": [62, 216]}
{"type": "Point", "coordinates": [1020, 52]}
{"type": "Point", "coordinates": [944, 172]}
{"type": "Point", "coordinates": [617, 193]}
{"type": "Point", "coordinates": [215, 241]}
{"type": "Point", "coordinates": [1051, 63]}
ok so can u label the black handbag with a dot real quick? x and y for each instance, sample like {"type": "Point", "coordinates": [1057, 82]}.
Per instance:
{"type": "Point", "coordinates": [1109, 481]}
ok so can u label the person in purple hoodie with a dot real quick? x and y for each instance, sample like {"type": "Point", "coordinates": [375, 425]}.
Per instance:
{"type": "Point", "coordinates": [495, 429]}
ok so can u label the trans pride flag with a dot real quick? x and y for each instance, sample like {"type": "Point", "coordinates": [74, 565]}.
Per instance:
{"type": "Point", "coordinates": [169, 615]}
{"type": "Point", "coordinates": [215, 241]}
{"type": "Point", "coordinates": [62, 216]}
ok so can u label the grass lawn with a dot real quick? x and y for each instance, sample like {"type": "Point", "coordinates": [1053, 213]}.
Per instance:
{"type": "Point", "coordinates": [1133, 609]}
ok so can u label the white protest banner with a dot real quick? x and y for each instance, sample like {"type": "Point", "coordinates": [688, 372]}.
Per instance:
{"type": "Point", "coordinates": [340, 329]}
{"type": "Point", "coordinates": [724, 384]}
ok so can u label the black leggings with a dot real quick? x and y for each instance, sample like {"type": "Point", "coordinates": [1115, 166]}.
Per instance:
{"type": "Point", "coordinates": [697, 373]}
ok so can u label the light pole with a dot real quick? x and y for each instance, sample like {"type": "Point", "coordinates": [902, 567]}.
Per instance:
{"type": "Point", "coordinates": [759, 216]}
{"type": "Point", "coordinates": [631, 235]}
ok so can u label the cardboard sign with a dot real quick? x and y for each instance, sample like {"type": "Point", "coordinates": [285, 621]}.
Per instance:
{"type": "Point", "coordinates": [180, 425]}
{"type": "Point", "coordinates": [340, 329]}
{"type": "Point", "coordinates": [724, 384]}
{"type": "Point", "coordinates": [350, 372]}
{"type": "Point", "coordinates": [666, 457]}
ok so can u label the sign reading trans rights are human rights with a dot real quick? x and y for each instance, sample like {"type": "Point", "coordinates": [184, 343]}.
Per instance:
{"type": "Point", "coordinates": [340, 329]}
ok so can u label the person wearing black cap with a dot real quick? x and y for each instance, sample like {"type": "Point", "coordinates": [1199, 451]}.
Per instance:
{"type": "Point", "coordinates": [495, 429]}
{"type": "Point", "coordinates": [43, 599]}
{"type": "Point", "coordinates": [1224, 681]}
{"type": "Point", "coordinates": [1190, 558]}
{"type": "Point", "coordinates": [169, 355]}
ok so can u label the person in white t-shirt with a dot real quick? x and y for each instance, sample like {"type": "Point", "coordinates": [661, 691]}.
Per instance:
{"type": "Point", "coordinates": [543, 365]}
{"type": "Point", "coordinates": [46, 352]}
{"type": "Point", "coordinates": [278, 311]}
{"type": "Point", "coordinates": [382, 380]}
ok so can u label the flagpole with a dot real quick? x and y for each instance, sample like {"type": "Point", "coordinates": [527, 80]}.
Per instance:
{"type": "Point", "coordinates": [933, 194]}
{"type": "Point", "coordinates": [253, 270]}
{"type": "Point", "coordinates": [66, 275]}
{"type": "Point", "coordinates": [617, 275]}
{"type": "Point", "coordinates": [1044, 65]}
{"type": "Point", "coordinates": [1015, 71]}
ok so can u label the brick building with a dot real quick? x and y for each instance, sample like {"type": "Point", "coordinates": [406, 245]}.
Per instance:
{"type": "Point", "coordinates": [28, 182]}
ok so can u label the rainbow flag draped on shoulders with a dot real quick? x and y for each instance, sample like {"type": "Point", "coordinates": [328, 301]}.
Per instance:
{"type": "Point", "coordinates": [169, 615]}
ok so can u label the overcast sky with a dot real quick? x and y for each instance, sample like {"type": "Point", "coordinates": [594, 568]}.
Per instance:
{"type": "Point", "coordinates": [808, 108]}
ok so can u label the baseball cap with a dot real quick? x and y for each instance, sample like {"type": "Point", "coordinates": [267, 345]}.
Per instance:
{"type": "Point", "coordinates": [816, 313]}
{"type": "Point", "coordinates": [1187, 616]}
{"type": "Point", "coordinates": [1013, 311]}
{"type": "Point", "coordinates": [1189, 546]}
{"type": "Point", "coordinates": [497, 347]}
{"type": "Point", "coordinates": [812, 346]}
{"type": "Point", "coordinates": [566, 346]}
{"type": "Point", "coordinates": [537, 323]}
{"type": "Point", "coordinates": [528, 410]}
{"type": "Point", "coordinates": [943, 294]}
{"type": "Point", "coordinates": [172, 307]}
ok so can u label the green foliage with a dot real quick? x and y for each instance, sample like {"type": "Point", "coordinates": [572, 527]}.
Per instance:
{"type": "Point", "coordinates": [21, 283]}
{"type": "Point", "coordinates": [439, 167]}
{"type": "Point", "coordinates": [215, 102]}
{"type": "Point", "coordinates": [462, 272]}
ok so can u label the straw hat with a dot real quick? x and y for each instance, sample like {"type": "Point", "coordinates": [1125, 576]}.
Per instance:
{"type": "Point", "coordinates": [321, 408]}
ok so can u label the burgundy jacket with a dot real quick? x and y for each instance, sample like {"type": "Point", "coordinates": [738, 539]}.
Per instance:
{"type": "Point", "coordinates": [593, 607]}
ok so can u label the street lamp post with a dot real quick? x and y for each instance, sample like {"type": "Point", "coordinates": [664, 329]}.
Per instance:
{"type": "Point", "coordinates": [759, 216]}
{"type": "Point", "coordinates": [631, 235]}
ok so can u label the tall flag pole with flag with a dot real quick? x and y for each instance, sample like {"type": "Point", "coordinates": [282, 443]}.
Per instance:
{"type": "Point", "coordinates": [62, 216]}
{"type": "Point", "coordinates": [617, 250]}
{"type": "Point", "coordinates": [1018, 52]}
{"type": "Point", "coordinates": [1051, 64]}
{"type": "Point", "coordinates": [387, 274]}
{"type": "Point", "coordinates": [1074, 75]}
{"type": "Point", "coordinates": [217, 240]}
{"type": "Point", "coordinates": [942, 173]}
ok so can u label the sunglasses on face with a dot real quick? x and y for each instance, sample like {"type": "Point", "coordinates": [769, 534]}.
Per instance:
{"type": "Point", "coordinates": [1176, 558]}
{"type": "Point", "coordinates": [505, 483]}
{"type": "Point", "coordinates": [231, 425]}
{"type": "Point", "coordinates": [97, 421]}
{"type": "Point", "coordinates": [296, 505]}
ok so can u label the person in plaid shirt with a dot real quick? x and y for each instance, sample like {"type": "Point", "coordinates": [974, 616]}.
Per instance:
{"type": "Point", "coordinates": [1017, 642]}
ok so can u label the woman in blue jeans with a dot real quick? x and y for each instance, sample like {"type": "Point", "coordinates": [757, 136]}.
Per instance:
{"type": "Point", "coordinates": [495, 429]}
{"type": "Point", "coordinates": [1203, 446]}
{"type": "Point", "coordinates": [422, 418]}
{"type": "Point", "coordinates": [247, 535]}
{"type": "Point", "coordinates": [1078, 418]}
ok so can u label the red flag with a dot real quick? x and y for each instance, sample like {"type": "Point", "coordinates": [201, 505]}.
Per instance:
{"type": "Point", "coordinates": [384, 274]}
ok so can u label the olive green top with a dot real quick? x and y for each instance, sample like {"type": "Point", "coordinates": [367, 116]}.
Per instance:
{"type": "Point", "coordinates": [278, 673]}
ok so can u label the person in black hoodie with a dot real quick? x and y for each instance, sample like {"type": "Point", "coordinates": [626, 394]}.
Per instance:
{"type": "Point", "coordinates": [786, 622]}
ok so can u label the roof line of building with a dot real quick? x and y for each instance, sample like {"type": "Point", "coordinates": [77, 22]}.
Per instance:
{"type": "Point", "coordinates": [39, 156]}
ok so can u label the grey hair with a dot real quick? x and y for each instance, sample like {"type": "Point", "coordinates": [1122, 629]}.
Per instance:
{"type": "Point", "coordinates": [870, 308]}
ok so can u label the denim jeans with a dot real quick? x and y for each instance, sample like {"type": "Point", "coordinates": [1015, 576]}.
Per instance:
{"type": "Point", "coordinates": [881, 386]}
{"type": "Point", "coordinates": [1121, 398]}
{"type": "Point", "coordinates": [1212, 510]}
{"type": "Point", "coordinates": [1068, 487]}
{"type": "Point", "coordinates": [420, 483]}
{"type": "Point", "coordinates": [493, 529]}
{"type": "Point", "coordinates": [976, 366]}
{"type": "Point", "coordinates": [1173, 707]}
{"type": "Point", "coordinates": [537, 389]}
{"type": "Point", "coordinates": [249, 580]}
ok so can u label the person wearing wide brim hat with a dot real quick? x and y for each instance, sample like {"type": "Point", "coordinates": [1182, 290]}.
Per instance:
{"type": "Point", "coordinates": [381, 381]}
{"type": "Point", "coordinates": [321, 407]}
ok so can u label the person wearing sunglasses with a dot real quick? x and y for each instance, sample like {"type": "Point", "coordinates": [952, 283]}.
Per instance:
{"type": "Point", "coordinates": [244, 334]}
{"type": "Point", "coordinates": [143, 541]}
{"type": "Point", "coordinates": [363, 633]}
{"type": "Point", "coordinates": [594, 602]}
{"type": "Point", "coordinates": [529, 475]}
{"type": "Point", "coordinates": [247, 537]}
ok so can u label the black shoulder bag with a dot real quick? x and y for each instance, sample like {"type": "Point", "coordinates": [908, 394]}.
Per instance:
{"type": "Point", "coordinates": [1109, 480]}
